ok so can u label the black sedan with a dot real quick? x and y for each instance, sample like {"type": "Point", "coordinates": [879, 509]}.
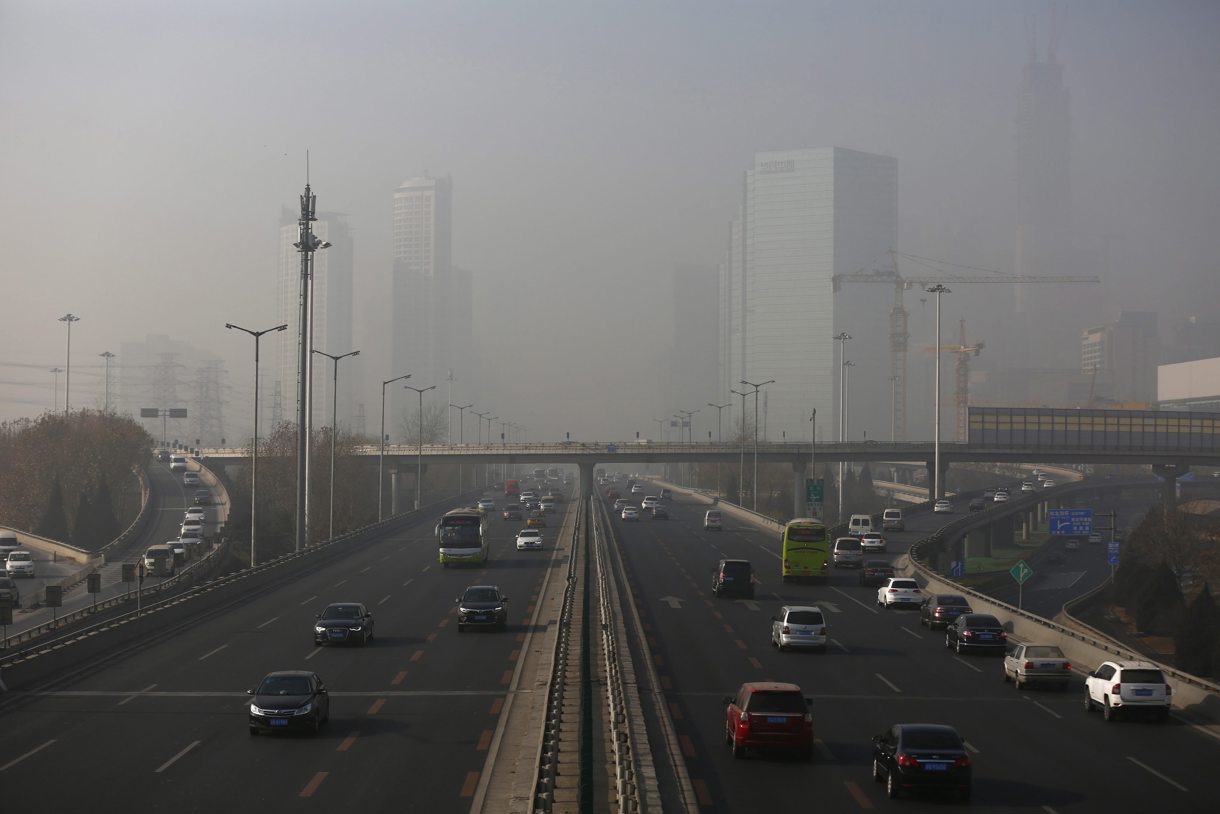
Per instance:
{"type": "Point", "coordinates": [875, 572]}
{"type": "Point", "coordinates": [482, 606]}
{"type": "Point", "coordinates": [921, 756]}
{"type": "Point", "coordinates": [939, 610]}
{"type": "Point", "coordinates": [512, 512]}
{"type": "Point", "coordinates": [203, 497]}
{"type": "Point", "coordinates": [289, 700]}
{"type": "Point", "coordinates": [659, 512]}
{"type": "Point", "coordinates": [343, 622]}
{"type": "Point", "coordinates": [976, 631]}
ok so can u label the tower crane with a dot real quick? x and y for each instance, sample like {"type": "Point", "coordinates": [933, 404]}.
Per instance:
{"type": "Point", "coordinates": [961, 372]}
{"type": "Point", "coordinates": [899, 337]}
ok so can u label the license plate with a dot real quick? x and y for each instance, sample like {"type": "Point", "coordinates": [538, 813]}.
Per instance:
{"type": "Point", "coordinates": [776, 719]}
{"type": "Point", "coordinates": [337, 634]}
{"type": "Point", "coordinates": [935, 767]}
{"type": "Point", "coordinates": [728, 579]}
{"type": "Point", "coordinates": [804, 633]}
{"type": "Point", "coordinates": [480, 618]}
{"type": "Point", "coordinates": [278, 722]}
{"type": "Point", "coordinates": [1143, 692]}
{"type": "Point", "coordinates": [985, 636]}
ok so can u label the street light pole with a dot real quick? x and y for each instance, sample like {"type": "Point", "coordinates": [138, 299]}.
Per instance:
{"type": "Point", "coordinates": [254, 447]}
{"type": "Point", "coordinates": [813, 445]}
{"type": "Point", "coordinates": [841, 338]}
{"type": "Point", "coordinates": [68, 318]}
{"type": "Point", "coordinates": [419, 455]}
{"type": "Point", "coordinates": [487, 470]}
{"type": "Point", "coordinates": [937, 289]}
{"type": "Point", "coordinates": [741, 460]}
{"type": "Point", "coordinates": [381, 443]}
{"type": "Point", "coordinates": [893, 408]}
{"type": "Point", "coordinates": [719, 412]}
{"type": "Point", "coordinates": [756, 387]}
{"type": "Point", "coordinates": [690, 439]}
{"type": "Point", "coordinates": [461, 408]}
{"type": "Point", "coordinates": [55, 397]}
{"type": "Point", "coordinates": [334, 428]}
{"type": "Point", "coordinates": [479, 437]}
{"type": "Point", "coordinates": [107, 355]}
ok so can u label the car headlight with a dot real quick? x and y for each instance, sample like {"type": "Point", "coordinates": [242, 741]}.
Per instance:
{"type": "Point", "coordinates": [355, 629]}
{"type": "Point", "coordinates": [319, 629]}
{"type": "Point", "coordinates": [498, 609]}
{"type": "Point", "coordinates": [304, 710]}
{"type": "Point", "coordinates": [258, 711]}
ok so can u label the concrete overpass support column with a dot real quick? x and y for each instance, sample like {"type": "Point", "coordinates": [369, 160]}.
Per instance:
{"type": "Point", "coordinates": [1169, 474]}
{"type": "Point", "coordinates": [977, 543]}
{"type": "Point", "coordinates": [586, 480]}
{"type": "Point", "coordinates": [395, 490]}
{"type": "Point", "coordinates": [798, 489]}
{"type": "Point", "coordinates": [930, 466]}
{"type": "Point", "coordinates": [1003, 531]}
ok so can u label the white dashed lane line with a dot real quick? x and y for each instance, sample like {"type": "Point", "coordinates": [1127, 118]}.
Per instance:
{"type": "Point", "coordinates": [961, 660]}
{"type": "Point", "coordinates": [175, 758]}
{"type": "Point", "coordinates": [1155, 773]}
{"type": "Point", "coordinates": [30, 753]}
{"type": "Point", "coordinates": [133, 697]}
{"type": "Point", "coordinates": [910, 632]}
{"type": "Point", "coordinates": [312, 598]}
{"type": "Point", "coordinates": [212, 652]}
{"type": "Point", "coordinates": [269, 621]}
{"type": "Point", "coordinates": [1047, 709]}
{"type": "Point", "coordinates": [887, 682]}
{"type": "Point", "coordinates": [868, 608]}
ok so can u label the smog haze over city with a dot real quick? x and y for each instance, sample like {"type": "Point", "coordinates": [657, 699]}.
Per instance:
{"type": "Point", "coordinates": [150, 150]}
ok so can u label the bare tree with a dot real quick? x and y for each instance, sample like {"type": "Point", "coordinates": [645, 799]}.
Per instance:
{"type": "Point", "coordinates": [435, 422]}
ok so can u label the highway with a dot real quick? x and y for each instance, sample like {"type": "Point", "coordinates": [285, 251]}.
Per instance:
{"type": "Point", "coordinates": [1033, 750]}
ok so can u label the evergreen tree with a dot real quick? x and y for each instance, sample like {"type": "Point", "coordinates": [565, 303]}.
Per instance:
{"type": "Point", "coordinates": [103, 514]}
{"type": "Point", "coordinates": [54, 523]}
{"type": "Point", "coordinates": [1195, 642]}
{"type": "Point", "coordinates": [1159, 606]}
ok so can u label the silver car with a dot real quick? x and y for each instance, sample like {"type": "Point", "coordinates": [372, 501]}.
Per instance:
{"type": "Point", "coordinates": [1037, 663]}
{"type": "Point", "coordinates": [799, 626]}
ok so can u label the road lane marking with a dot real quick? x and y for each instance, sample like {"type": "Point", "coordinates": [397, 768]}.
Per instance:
{"type": "Point", "coordinates": [755, 663]}
{"type": "Point", "coordinates": [269, 621]}
{"type": "Point", "coordinates": [908, 631]}
{"type": "Point", "coordinates": [313, 784]}
{"type": "Point", "coordinates": [970, 747]}
{"type": "Point", "coordinates": [858, 794]}
{"type": "Point", "coordinates": [702, 794]}
{"type": "Point", "coordinates": [135, 696]}
{"type": "Point", "coordinates": [688, 746]}
{"type": "Point", "coordinates": [769, 551]}
{"type": "Point", "coordinates": [340, 582]}
{"type": "Point", "coordinates": [416, 656]}
{"type": "Point", "coordinates": [174, 759]}
{"type": "Point", "coordinates": [425, 569]}
{"type": "Point", "coordinates": [30, 753]}
{"type": "Point", "coordinates": [431, 637]}
{"type": "Point", "coordinates": [1045, 708]}
{"type": "Point", "coordinates": [675, 711]}
{"type": "Point", "coordinates": [366, 569]}
{"type": "Point", "coordinates": [822, 749]}
{"type": "Point", "coordinates": [316, 650]}
{"type": "Point", "coordinates": [408, 582]}
{"type": "Point", "coordinates": [666, 682]}
{"type": "Point", "coordinates": [728, 628]}
{"type": "Point", "coordinates": [840, 645]}
{"type": "Point", "coordinates": [384, 599]}
{"type": "Point", "coordinates": [348, 741]}
{"type": "Point", "coordinates": [1155, 773]}
{"type": "Point", "coordinates": [468, 787]}
{"type": "Point", "coordinates": [307, 601]}
{"type": "Point", "coordinates": [961, 660]}
{"type": "Point", "coordinates": [742, 645]}
{"type": "Point", "coordinates": [398, 679]}
{"type": "Point", "coordinates": [484, 740]}
{"type": "Point", "coordinates": [376, 707]}
{"type": "Point", "coordinates": [506, 677]}
{"type": "Point", "coordinates": [887, 682]}
{"type": "Point", "coordinates": [868, 608]}
{"type": "Point", "coordinates": [212, 652]}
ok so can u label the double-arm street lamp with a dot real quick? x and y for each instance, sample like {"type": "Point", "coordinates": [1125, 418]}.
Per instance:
{"type": "Point", "coordinates": [842, 338]}
{"type": "Point", "coordinates": [254, 448]}
{"type": "Point", "coordinates": [690, 439]}
{"type": "Point", "coordinates": [461, 408]}
{"type": "Point", "coordinates": [741, 459]}
{"type": "Point", "coordinates": [719, 412]}
{"type": "Point", "coordinates": [419, 455]}
{"type": "Point", "coordinates": [334, 428]}
{"type": "Point", "coordinates": [937, 289]}
{"type": "Point", "coordinates": [68, 318]}
{"type": "Point", "coordinates": [381, 443]}
{"type": "Point", "coordinates": [756, 387]}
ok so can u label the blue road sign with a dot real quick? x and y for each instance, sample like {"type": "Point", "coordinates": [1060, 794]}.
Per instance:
{"type": "Point", "coordinates": [611, 448]}
{"type": "Point", "coordinates": [1112, 553]}
{"type": "Point", "coordinates": [1071, 521]}
{"type": "Point", "coordinates": [957, 568]}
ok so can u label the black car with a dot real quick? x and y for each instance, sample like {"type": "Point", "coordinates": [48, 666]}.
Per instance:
{"type": "Point", "coordinates": [482, 606]}
{"type": "Point", "coordinates": [875, 572]}
{"type": "Point", "coordinates": [659, 512]}
{"type": "Point", "coordinates": [978, 504]}
{"type": "Point", "coordinates": [343, 622]}
{"type": "Point", "coordinates": [289, 700]}
{"type": "Point", "coordinates": [921, 756]}
{"type": "Point", "coordinates": [733, 578]}
{"type": "Point", "coordinates": [203, 497]}
{"type": "Point", "coordinates": [939, 610]}
{"type": "Point", "coordinates": [512, 512]}
{"type": "Point", "coordinates": [976, 630]}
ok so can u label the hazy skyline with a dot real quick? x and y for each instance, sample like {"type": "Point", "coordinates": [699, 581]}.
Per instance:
{"type": "Point", "coordinates": [593, 147]}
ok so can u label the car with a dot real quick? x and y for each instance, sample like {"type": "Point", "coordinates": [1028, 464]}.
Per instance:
{"type": "Point", "coordinates": [649, 503]}
{"type": "Point", "coordinates": [512, 512]}
{"type": "Point", "coordinates": [179, 547]}
{"type": "Point", "coordinates": [1037, 473]}
{"type": "Point", "coordinates": [1128, 686]}
{"type": "Point", "coordinates": [630, 513]}
{"type": "Point", "coordinates": [196, 513]}
{"type": "Point", "coordinates": [875, 572]}
{"type": "Point", "coordinates": [547, 505]}
{"type": "Point", "coordinates": [531, 504]}
{"type": "Point", "coordinates": [907, 757]}
{"type": "Point", "coordinates": [177, 463]}
{"type": "Point", "coordinates": [989, 492]}
{"type": "Point", "coordinates": [289, 700]}
{"type": "Point", "coordinates": [529, 539]}
{"type": "Point", "coordinates": [1037, 664]}
{"type": "Point", "coordinates": [536, 520]}
{"type": "Point", "coordinates": [799, 626]}
{"type": "Point", "coordinates": [939, 610]}
{"type": "Point", "coordinates": [342, 623]}
{"type": "Point", "coordinates": [190, 536]}
{"type": "Point", "coordinates": [554, 497]}
{"type": "Point", "coordinates": [733, 578]}
{"type": "Point", "coordinates": [8, 544]}
{"type": "Point", "coordinates": [1027, 486]}
{"type": "Point", "coordinates": [659, 512]}
{"type": "Point", "coordinates": [159, 561]}
{"type": "Point", "coordinates": [769, 715]}
{"type": "Point", "coordinates": [20, 563]}
{"type": "Point", "coordinates": [712, 520]}
{"type": "Point", "coordinates": [980, 631]}
{"type": "Point", "coordinates": [163, 456]}
{"type": "Point", "coordinates": [486, 504]}
{"type": "Point", "coordinates": [191, 523]}
{"type": "Point", "coordinates": [202, 497]}
{"type": "Point", "coordinates": [872, 541]}
{"type": "Point", "coordinates": [9, 592]}
{"type": "Point", "coordinates": [901, 591]}
{"type": "Point", "coordinates": [190, 478]}
{"type": "Point", "coordinates": [482, 606]}
{"type": "Point", "coordinates": [891, 520]}
{"type": "Point", "coordinates": [1000, 497]}
{"type": "Point", "coordinates": [845, 553]}
{"type": "Point", "coordinates": [637, 489]}
{"type": "Point", "coordinates": [620, 503]}
{"type": "Point", "coordinates": [529, 494]}
{"type": "Point", "coordinates": [942, 506]}
{"type": "Point", "coordinates": [859, 524]}
{"type": "Point", "coordinates": [977, 504]}
{"type": "Point", "coordinates": [1048, 483]}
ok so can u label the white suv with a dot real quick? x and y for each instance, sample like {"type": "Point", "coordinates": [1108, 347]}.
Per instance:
{"type": "Point", "coordinates": [1117, 686]}
{"type": "Point", "coordinates": [902, 591]}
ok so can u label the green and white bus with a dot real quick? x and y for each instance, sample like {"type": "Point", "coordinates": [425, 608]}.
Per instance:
{"type": "Point", "coordinates": [805, 549]}
{"type": "Point", "coordinates": [462, 538]}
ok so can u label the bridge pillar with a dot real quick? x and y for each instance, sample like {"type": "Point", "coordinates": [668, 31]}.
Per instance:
{"type": "Point", "coordinates": [977, 543]}
{"type": "Point", "coordinates": [586, 480]}
{"type": "Point", "coordinates": [930, 466]}
{"type": "Point", "coordinates": [395, 491]}
{"type": "Point", "coordinates": [1169, 474]}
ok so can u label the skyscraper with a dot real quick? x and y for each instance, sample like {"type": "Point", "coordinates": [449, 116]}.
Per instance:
{"type": "Point", "coordinates": [431, 299]}
{"type": "Point", "coordinates": [806, 216]}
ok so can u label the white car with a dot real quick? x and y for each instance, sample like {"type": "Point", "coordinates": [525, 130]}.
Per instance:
{"type": "Point", "coordinates": [196, 513]}
{"type": "Point", "coordinates": [1123, 686]}
{"type": "Point", "coordinates": [1026, 486]}
{"type": "Point", "coordinates": [486, 504]}
{"type": "Point", "coordinates": [903, 591]}
{"type": "Point", "coordinates": [1048, 483]}
{"type": "Point", "coordinates": [529, 539]}
{"type": "Point", "coordinates": [19, 564]}
{"type": "Point", "coordinates": [649, 503]}
{"type": "Point", "coordinates": [630, 513]}
{"type": "Point", "coordinates": [190, 478]}
{"type": "Point", "coordinates": [178, 546]}
{"type": "Point", "coordinates": [799, 626]}
{"type": "Point", "coordinates": [177, 463]}
{"type": "Point", "coordinates": [942, 506]}
{"type": "Point", "coordinates": [547, 505]}
{"type": "Point", "coordinates": [637, 489]}
{"type": "Point", "coordinates": [872, 541]}
{"type": "Point", "coordinates": [194, 526]}
{"type": "Point", "coordinates": [1000, 497]}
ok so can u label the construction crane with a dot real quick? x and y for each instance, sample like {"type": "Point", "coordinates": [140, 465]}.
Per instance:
{"type": "Point", "coordinates": [899, 337]}
{"type": "Point", "coordinates": [961, 371]}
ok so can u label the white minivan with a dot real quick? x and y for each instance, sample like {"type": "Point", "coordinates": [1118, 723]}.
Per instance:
{"type": "Point", "coordinates": [860, 524]}
{"type": "Point", "coordinates": [891, 520]}
{"type": "Point", "coordinates": [711, 520]}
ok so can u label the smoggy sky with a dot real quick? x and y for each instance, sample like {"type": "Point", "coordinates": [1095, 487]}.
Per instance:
{"type": "Point", "coordinates": [146, 150]}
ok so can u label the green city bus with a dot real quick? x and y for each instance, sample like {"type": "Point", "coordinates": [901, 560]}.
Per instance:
{"type": "Point", "coordinates": [805, 549]}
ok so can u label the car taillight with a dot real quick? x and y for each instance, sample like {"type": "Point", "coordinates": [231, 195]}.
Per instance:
{"type": "Point", "coordinates": [784, 630]}
{"type": "Point", "coordinates": [1117, 689]}
{"type": "Point", "coordinates": [893, 590]}
{"type": "Point", "coordinates": [906, 761]}
{"type": "Point", "coordinates": [1003, 635]}
{"type": "Point", "coordinates": [961, 763]}
{"type": "Point", "coordinates": [1168, 690]}
{"type": "Point", "coordinates": [1067, 666]}
{"type": "Point", "coordinates": [1029, 665]}
{"type": "Point", "coordinates": [785, 563]}
{"type": "Point", "coordinates": [967, 633]}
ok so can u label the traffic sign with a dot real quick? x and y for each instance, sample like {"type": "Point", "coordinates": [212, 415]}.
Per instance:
{"type": "Point", "coordinates": [1071, 521]}
{"type": "Point", "coordinates": [1021, 572]}
{"type": "Point", "coordinates": [814, 492]}
{"type": "Point", "coordinates": [1112, 553]}
{"type": "Point", "coordinates": [957, 568]}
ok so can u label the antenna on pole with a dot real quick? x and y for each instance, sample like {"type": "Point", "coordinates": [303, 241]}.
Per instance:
{"type": "Point", "coordinates": [307, 168]}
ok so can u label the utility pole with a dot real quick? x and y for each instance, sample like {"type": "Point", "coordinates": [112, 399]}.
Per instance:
{"type": "Point", "coordinates": [68, 318]}
{"type": "Point", "coordinates": [107, 355]}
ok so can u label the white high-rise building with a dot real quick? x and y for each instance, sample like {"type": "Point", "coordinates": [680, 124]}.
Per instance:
{"type": "Point", "coordinates": [332, 326]}
{"type": "Point", "coordinates": [807, 215]}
